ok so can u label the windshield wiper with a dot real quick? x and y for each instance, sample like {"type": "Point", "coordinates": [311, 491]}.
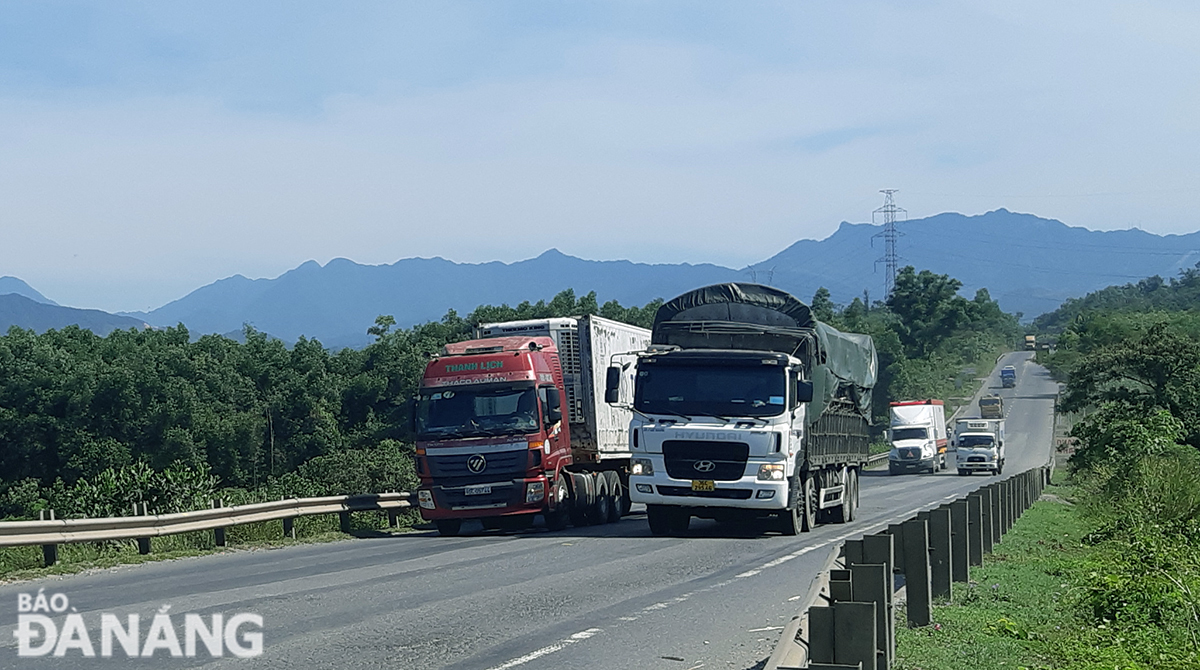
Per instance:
{"type": "Point", "coordinates": [671, 412]}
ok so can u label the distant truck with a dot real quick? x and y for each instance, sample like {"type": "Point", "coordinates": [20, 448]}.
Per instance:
{"type": "Point", "coordinates": [979, 445]}
{"type": "Point", "coordinates": [1008, 376]}
{"type": "Point", "coordinates": [918, 436]}
{"type": "Point", "coordinates": [991, 407]}
{"type": "Point", "coordinates": [514, 424]}
{"type": "Point", "coordinates": [747, 407]}
{"type": "Point", "coordinates": [1031, 342]}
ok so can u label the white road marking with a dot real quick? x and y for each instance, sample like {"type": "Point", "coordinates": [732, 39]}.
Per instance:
{"type": "Point", "coordinates": [549, 649]}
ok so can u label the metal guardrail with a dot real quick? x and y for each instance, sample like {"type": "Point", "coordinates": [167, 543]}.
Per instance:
{"type": "Point", "coordinates": [52, 532]}
{"type": "Point", "coordinates": [937, 547]}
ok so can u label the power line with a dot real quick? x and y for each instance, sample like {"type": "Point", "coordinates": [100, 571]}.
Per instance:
{"type": "Point", "coordinates": [890, 260]}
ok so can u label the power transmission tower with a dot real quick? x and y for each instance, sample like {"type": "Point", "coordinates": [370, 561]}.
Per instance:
{"type": "Point", "coordinates": [890, 260]}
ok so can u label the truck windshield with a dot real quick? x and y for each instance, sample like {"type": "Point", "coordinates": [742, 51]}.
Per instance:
{"type": "Point", "coordinates": [487, 409]}
{"type": "Point", "coordinates": [710, 390]}
{"type": "Point", "coordinates": [976, 441]}
{"type": "Point", "coordinates": [909, 434]}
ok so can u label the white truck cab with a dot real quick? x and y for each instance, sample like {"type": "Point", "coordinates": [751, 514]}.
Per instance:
{"type": "Point", "coordinates": [979, 446]}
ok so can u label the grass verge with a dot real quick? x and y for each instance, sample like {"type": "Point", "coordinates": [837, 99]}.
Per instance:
{"type": "Point", "coordinates": [1022, 609]}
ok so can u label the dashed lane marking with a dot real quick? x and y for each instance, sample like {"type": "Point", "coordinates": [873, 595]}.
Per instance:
{"type": "Point", "coordinates": [547, 650]}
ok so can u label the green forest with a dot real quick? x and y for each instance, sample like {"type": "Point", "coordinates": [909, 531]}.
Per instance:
{"type": "Point", "coordinates": [92, 425]}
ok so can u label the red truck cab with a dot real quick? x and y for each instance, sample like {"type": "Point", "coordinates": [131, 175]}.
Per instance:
{"type": "Point", "coordinates": [491, 440]}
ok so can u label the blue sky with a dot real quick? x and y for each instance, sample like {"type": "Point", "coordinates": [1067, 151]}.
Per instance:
{"type": "Point", "coordinates": [149, 148]}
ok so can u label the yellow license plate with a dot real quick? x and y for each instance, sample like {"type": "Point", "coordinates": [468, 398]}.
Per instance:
{"type": "Point", "coordinates": [703, 485]}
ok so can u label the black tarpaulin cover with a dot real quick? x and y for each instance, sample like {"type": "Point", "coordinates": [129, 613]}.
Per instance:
{"type": "Point", "coordinates": [846, 363]}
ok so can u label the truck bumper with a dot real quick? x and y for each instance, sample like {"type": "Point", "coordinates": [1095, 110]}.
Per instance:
{"type": "Point", "coordinates": [913, 466]}
{"type": "Point", "coordinates": [744, 493]}
{"type": "Point", "coordinates": [983, 466]}
{"type": "Point", "coordinates": [516, 496]}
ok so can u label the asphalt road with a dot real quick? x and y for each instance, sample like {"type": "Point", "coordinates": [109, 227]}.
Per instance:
{"type": "Point", "coordinates": [609, 596]}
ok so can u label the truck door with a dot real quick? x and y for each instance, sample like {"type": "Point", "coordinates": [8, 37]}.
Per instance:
{"type": "Point", "coordinates": [556, 443]}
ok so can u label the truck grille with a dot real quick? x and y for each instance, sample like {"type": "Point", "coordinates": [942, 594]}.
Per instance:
{"type": "Point", "coordinates": [977, 459]}
{"type": "Point", "coordinates": [716, 461]}
{"type": "Point", "coordinates": [500, 465]}
{"type": "Point", "coordinates": [910, 453]}
{"type": "Point", "coordinates": [685, 492]}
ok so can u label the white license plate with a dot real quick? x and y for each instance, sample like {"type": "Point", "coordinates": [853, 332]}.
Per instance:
{"type": "Point", "coordinates": [477, 490]}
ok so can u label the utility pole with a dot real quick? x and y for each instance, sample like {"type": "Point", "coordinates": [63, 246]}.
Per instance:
{"type": "Point", "coordinates": [890, 260]}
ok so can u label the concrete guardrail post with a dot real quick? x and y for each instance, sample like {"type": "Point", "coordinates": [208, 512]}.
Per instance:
{"type": "Point", "coordinates": [289, 527]}
{"type": "Point", "coordinates": [939, 551]}
{"type": "Point", "coordinates": [344, 522]}
{"type": "Point", "coordinates": [143, 545]}
{"type": "Point", "coordinates": [985, 513]}
{"type": "Point", "coordinates": [393, 518]}
{"type": "Point", "coordinates": [975, 528]}
{"type": "Point", "coordinates": [959, 543]}
{"type": "Point", "coordinates": [916, 573]}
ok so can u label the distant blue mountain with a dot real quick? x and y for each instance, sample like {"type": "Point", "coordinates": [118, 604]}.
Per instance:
{"type": "Point", "coordinates": [18, 310]}
{"type": "Point", "coordinates": [1028, 263]}
{"type": "Point", "coordinates": [14, 285]}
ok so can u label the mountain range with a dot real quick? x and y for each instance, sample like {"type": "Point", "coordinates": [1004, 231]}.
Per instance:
{"type": "Point", "coordinates": [1028, 263]}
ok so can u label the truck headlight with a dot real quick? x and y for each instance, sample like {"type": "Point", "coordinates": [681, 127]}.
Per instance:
{"type": "Point", "coordinates": [643, 467]}
{"type": "Point", "coordinates": [535, 491]}
{"type": "Point", "coordinates": [425, 498]}
{"type": "Point", "coordinates": [771, 472]}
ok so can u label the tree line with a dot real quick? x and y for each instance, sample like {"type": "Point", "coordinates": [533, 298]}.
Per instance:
{"type": "Point", "coordinates": [159, 415]}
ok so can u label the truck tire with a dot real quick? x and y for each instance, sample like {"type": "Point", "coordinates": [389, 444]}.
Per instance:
{"type": "Point", "coordinates": [811, 503]}
{"type": "Point", "coordinates": [558, 518]}
{"type": "Point", "coordinates": [852, 482]}
{"type": "Point", "coordinates": [844, 513]}
{"type": "Point", "coordinates": [658, 516]}
{"type": "Point", "coordinates": [602, 501]}
{"type": "Point", "coordinates": [614, 494]}
{"type": "Point", "coordinates": [581, 496]}
{"type": "Point", "coordinates": [892, 469]}
{"type": "Point", "coordinates": [448, 527]}
{"type": "Point", "coordinates": [963, 473]}
{"type": "Point", "coordinates": [1000, 466]}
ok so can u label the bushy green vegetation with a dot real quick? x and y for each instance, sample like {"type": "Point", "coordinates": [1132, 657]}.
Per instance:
{"type": "Point", "coordinates": [925, 334]}
{"type": "Point", "coordinates": [91, 425]}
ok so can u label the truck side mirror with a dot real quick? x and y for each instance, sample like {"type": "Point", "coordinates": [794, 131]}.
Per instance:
{"type": "Point", "coordinates": [553, 406]}
{"type": "Point", "coordinates": [612, 385]}
{"type": "Point", "coordinates": [804, 391]}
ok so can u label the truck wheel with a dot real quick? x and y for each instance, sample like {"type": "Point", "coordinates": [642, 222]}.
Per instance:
{"type": "Point", "coordinates": [1000, 467]}
{"type": "Point", "coordinates": [892, 469]}
{"type": "Point", "coordinates": [810, 503]}
{"type": "Point", "coordinates": [601, 506]}
{"type": "Point", "coordinates": [843, 512]}
{"type": "Point", "coordinates": [851, 501]}
{"type": "Point", "coordinates": [581, 495]}
{"type": "Point", "coordinates": [557, 518]}
{"type": "Point", "coordinates": [614, 495]}
{"type": "Point", "coordinates": [963, 473]}
{"type": "Point", "coordinates": [657, 516]}
{"type": "Point", "coordinates": [448, 527]}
